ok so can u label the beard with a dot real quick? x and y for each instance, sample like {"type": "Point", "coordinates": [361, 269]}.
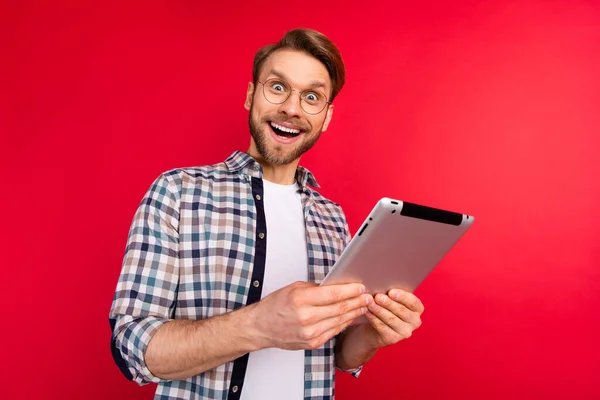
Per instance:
{"type": "Point", "coordinates": [276, 154]}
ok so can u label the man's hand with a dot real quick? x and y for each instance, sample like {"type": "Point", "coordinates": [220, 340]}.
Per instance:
{"type": "Point", "coordinates": [393, 317]}
{"type": "Point", "coordinates": [305, 315]}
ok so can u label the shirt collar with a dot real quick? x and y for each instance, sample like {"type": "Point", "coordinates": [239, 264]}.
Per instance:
{"type": "Point", "coordinates": [238, 161]}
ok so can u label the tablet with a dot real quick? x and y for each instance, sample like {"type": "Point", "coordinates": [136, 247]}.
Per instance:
{"type": "Point", "coordinates": [397, 246]}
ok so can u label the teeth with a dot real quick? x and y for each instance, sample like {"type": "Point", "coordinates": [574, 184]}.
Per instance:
{"type": "Point", "coordinates": [283, 128]}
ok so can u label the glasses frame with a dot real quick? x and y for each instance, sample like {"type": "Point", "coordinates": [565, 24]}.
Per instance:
{"type": "Point", "coordinates": [327, 102]}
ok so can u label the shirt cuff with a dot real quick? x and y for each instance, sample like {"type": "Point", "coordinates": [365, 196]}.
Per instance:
{"type": "Point", "coordinates": [355, 372]}
{"type": "Point", "coordinates": [133, 342]}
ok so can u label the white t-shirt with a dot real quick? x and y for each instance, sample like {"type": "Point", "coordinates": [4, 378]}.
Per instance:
{"type": "Point", "coordinates": [274, 374]}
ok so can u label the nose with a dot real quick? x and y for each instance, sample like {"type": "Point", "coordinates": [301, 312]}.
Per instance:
{"type": "Point", "coordinates": [291, 107]}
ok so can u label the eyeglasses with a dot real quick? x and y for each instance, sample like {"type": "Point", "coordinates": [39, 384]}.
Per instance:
{"type": "Point", "coordinates": [277, 92]}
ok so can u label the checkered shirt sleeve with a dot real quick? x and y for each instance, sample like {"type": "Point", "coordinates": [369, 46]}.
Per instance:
{"type": "Point", "coordinates": [146, 289]}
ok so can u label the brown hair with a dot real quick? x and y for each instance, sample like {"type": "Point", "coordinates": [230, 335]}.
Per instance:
{"type": "Point", "coordinates": [312, 43]}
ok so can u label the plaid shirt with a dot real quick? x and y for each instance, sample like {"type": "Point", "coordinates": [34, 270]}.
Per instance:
{"type": "Point", "coordinates": [197, 242]}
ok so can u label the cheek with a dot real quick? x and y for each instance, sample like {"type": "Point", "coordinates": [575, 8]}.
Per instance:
{"type": "Point", "coordinates": [315, 123]}
{"type": "Point", "coordinates": [255, 114]}
{"type": "Point", "coordinates": [261, 114]}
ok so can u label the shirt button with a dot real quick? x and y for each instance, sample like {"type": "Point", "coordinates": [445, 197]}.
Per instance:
{"type": "Point", "coordinates": [256, 283]}
{"type": "Point", "coordinates": [258, 197]}
{"type": "Point", "coordinates": [261, 235]}
{"type": "Point", "coordinates": [256, 167]}
{"type": "Point", "coordinates": [234, 389]}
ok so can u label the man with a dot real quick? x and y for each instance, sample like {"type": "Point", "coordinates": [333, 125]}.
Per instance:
{"type": "Point", "coordinates": [219, 297]}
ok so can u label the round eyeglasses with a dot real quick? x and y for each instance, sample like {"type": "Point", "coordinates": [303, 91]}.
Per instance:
{"type": "Point", "coordinates": [277, 92]}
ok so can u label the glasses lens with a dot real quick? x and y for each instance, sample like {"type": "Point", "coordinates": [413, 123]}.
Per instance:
{"type": "Point", "coordinates": [276, 91]}
{"type": "Point", "coordinates": [313, 102]}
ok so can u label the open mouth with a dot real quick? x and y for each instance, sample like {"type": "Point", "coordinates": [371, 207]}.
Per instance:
{"type": "Point", "coordinates": [284, 131]}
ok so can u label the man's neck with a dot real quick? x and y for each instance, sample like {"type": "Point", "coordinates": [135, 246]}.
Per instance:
{"type": "Point", "coordinates": [280, 174]}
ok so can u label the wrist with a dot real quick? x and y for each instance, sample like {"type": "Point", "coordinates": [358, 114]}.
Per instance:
{"type": "Point", "coordinates": [250, 328]}
{"type": "Point", "coordinates": [354, 349]}
{"type": "Point", "coordinates": [367, 337]}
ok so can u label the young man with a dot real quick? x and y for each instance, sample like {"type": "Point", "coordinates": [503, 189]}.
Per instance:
{"type": "Point", "coordinates": [218, 297]}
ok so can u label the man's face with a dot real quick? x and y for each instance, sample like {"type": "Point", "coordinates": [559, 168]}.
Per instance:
{"type": "Point", "coordinates": [267, 121]}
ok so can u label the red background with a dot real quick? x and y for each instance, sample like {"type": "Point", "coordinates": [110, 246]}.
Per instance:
{"type": "Point", "coordinates": [488, 108]}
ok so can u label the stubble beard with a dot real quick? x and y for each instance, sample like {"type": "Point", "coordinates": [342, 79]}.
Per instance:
{"type": "Point", "coordinates": [276, 155]}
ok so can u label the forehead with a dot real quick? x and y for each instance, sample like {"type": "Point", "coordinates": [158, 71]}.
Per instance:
{"type": "Point", "coordinates": [298, 68]}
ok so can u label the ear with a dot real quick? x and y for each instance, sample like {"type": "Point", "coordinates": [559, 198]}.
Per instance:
{"type": "Point", "coordinates": [327, 117]}
{"type": "Point", "coordinates": [249, 96]}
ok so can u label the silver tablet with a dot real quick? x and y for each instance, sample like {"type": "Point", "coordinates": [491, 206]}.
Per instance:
{"type": "Point", "coordinates": [397, 246]}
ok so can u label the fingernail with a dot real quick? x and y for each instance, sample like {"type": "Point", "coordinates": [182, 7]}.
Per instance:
{"type": "Point", "coordinates": [363, 310]}
{"type": "Point", "coordinates": [362, 289]}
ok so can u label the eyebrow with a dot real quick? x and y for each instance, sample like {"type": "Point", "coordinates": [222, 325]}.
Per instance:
{"type": "Point", "coordinates": [311, 84]}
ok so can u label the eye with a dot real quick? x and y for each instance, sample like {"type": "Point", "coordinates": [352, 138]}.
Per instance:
{"type": "Point", "coordinates": [312, 97]}
{"type": "Point", "coordinates": [277, 87]}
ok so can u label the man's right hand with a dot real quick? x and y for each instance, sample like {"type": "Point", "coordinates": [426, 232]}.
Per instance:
{"type": "Point", "coordinates": [305, 315]}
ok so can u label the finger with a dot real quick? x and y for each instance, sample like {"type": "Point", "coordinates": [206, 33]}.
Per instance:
{"type": "Point", "coordinates": [407, 299]}
{"type": "Point", "coordinates": [398, 309]}
{"type": "Point", "coordinates": [390, 320]}
{"type": "Point", "coordinates": [337, 323]}
{"type": "Point", "coordinates": [338, 320]}
{"type": "Point", "coordinates": [324, 312]}
{"type": "Point", "coordinates": [387, 334]}
{"type": "Point", "coordinates": [380, 326]}
{"type": "Point", "coordinates": [330, 334]}
{"type": "Point", "coordinates": [331, 294]}
{"type": "Point", "coordinates": [302, 284]}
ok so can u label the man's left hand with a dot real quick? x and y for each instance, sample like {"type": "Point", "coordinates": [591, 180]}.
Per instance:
{"type": "Point", "coordinates": [393, 317]}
